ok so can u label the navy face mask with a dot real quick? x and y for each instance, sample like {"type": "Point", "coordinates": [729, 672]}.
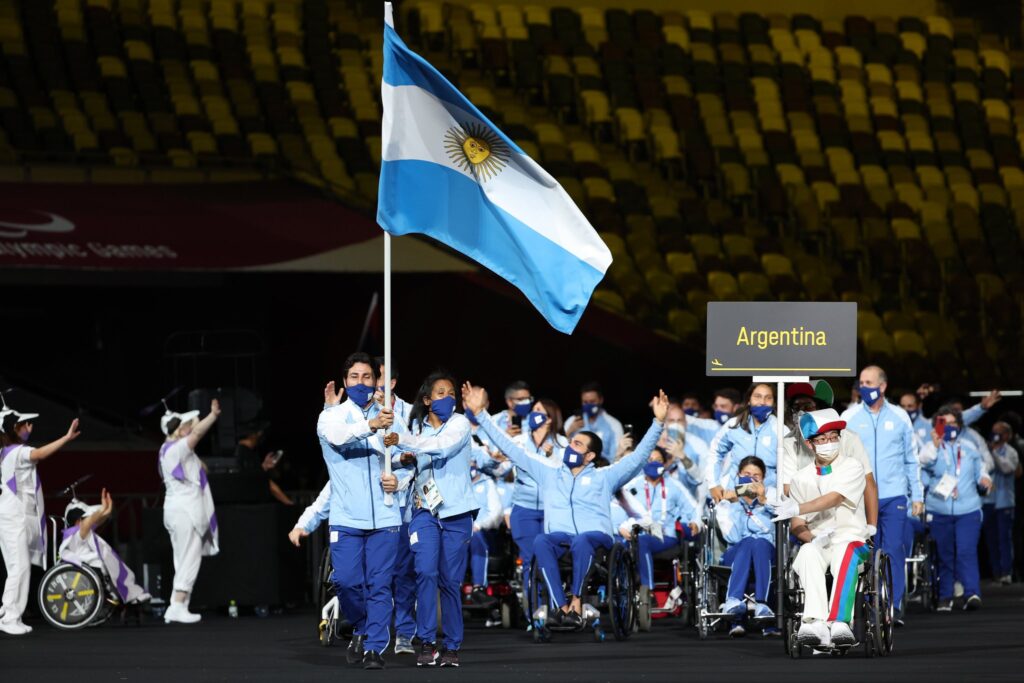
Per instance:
{"type": "Point", "coordinates": [571, 458]}
{"type": "Point", "coordinates": [360, 394]}
{"type": "Point", "coordinates": [870, 395]}
{"type": "Point", "coordinates": [950, 432]}
{"type": "Point", "coordinates": [522, 408]}
{"type": "Point", "coordinates": [722, 417]}
{"type": "Point", "coordinates": [654, 469]}
{"type": "Point", "coordinates": [536, 420]}
{"type": "Point", "coordinates": [761, 413]}
{"type": "Point", "coordinates": [913, 415]}
{"type": "Point", "coordinates": [443, 407]}
{"type": "Point", "coordinates": [591, 410]}
{"type": "Point", "coordinates": [691, 412]}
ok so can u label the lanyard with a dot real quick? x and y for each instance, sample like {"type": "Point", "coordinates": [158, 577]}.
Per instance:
{"type": "Point", "coordinates": [751, 518]}
{"type": "Point", "coordinates": [647, 493]}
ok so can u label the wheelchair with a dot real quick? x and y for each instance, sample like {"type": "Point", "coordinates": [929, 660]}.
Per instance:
{"type": "Point", "coordinates": [873, 620]}
{"type": "Point", "coordinates": [73, 597]}
{"type": "Point", "coordinates": [503, 584]}
{"type": "Point", "coordinates": [922, 574]}
{"type": "Point", "coordinates": [609, 591]}
{"type": "Point", "coordinates": [333, 625]}
{"type": "Point", "coordinates": [671, 583]}
{"type": "Point", "coordinates": [711, 579]}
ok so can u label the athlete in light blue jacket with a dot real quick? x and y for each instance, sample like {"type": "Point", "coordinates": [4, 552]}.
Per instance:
{"type": "Point", "coordinates": [891, 446]}
{"type": "Point", "coordinates": [364, 529]}
{"type": "Point", "coordinates": [577, 498]}
{"type": "Point", "coordinates": [953, 472]}
{"type": "Point", "coordinates": [751, 432]}
{"type": "Point", "coordinates": [440, 441]}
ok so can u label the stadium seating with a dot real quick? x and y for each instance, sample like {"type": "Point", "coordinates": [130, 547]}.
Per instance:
{"type": "Point", "coordinates": [720, 156]}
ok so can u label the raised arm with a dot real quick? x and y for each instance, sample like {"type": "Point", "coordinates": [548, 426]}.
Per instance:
{"type": "Point", "coordinates": [333, 427]}
{"type": "Point", "coordinates": [44, 452]}
{"type": "Point", "coordinates": [97, 518]}
{"type": "Point", "coordinates": [628, 467]}
{"type": "Point", "coordinates": [203, 426]}
{"type": "Point", "coordinates": [475, 400]}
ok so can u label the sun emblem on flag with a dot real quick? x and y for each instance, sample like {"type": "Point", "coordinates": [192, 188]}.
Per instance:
{"type": "Point", "coordinates": [477, 149]}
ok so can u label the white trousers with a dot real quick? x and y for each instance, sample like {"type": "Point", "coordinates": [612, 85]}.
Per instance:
{"type": "Point", "coordinates": [187, 546]}
{"type": "Point", "coordinates": [810, 565]}
{"type": "Point", "coordinates": [14, 546]}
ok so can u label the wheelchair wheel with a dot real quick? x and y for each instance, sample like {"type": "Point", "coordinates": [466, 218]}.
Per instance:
{"type": "Point", "coordinates": [643, 608]}
{"type": "Point", "coordinates": [325, 578]}
{"type": "Point", "coordinates": [621, 593]}
{"type": "Point", "coordinates": [70, 597]}
{"type": "Point", "coordinates": [882, 604]}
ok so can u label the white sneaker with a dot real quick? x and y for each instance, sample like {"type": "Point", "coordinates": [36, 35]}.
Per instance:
{"type": "Point", "coordinates": [841, 634]}
{"type": "Point", "coordinates": [13, 628]}
{"type": "Point", "coordinates": [177, 612]}
{"type": "Point", "coordinates": [814, 634]}
{"type": "Point", "coordinates": [1006, 580]}
{"type": "Point", "coordinates": [958, 590]}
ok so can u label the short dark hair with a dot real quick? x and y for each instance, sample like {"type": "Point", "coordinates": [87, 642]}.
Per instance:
{"type": "Point", "coordinates": [729, 394]}
{"type": "Point", "coordinates": [360, 357]}
{"type": "Point", "coordinates": [950, 409]}
{"type": "Point", "coordinates": [172, 425]}
{"type": "Point", "coordinates": [518, 385]}
{"type": "Point", "coordinates": [393, 367]}
{"type": "Point", "coordinates": [755, 461]}
{"type": "Point", "coordinates": [74, 517]}
{"type": "Point", "coordinates": [596, 444]}
{"type": "Point", "coordinates": [592, 386]}
{"type": "Point", "coordinates": [692, 394]}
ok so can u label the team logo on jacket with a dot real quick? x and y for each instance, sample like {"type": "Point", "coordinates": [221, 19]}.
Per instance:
{"type": "Point", "coordinates": [477, 149]}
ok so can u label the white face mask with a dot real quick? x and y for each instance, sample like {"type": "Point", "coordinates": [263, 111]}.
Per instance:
{"type": "Point", "coordinates": [827, 451]}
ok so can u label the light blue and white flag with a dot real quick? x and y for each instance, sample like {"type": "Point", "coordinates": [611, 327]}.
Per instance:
{"type": "Point", "coordinates": [451, 174]}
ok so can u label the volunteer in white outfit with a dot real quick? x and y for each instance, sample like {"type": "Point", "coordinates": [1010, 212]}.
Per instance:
{"type": "Point", "coordinates": [22, 541]}
{"type": "Point", "coordinates": [82, 546]}
{"type": "Point", "coordinates": [189, 515]}
{"type": "Point", "coordinates": [827, 510]}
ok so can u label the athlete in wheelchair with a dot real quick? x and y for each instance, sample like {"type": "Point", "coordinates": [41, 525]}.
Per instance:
{"type": "Point", "coordinates": [657, 515]}
{"type": "Point", "coordinates": [827, 515]}
{"type": "Point", "coordinates": [90, 582]}
{"type": "Point", "coordinates": [577, 523]}
{"type": "Point", "coordinates": [735, 561]}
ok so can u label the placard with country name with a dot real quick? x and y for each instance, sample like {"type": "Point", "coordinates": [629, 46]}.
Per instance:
{"type": "Point", "coordinates": [782, 338]}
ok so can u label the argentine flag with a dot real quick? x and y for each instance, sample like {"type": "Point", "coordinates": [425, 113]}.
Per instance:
{"type": "Point", "coordinates": [449, 173]}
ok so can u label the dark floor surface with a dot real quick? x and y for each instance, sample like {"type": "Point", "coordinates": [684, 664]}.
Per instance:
{"type": "Point", "coordinates": [984, 645]}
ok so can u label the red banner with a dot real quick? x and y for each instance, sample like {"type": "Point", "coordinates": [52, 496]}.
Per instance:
{"type": "Point", "coordinates": [157, 227]}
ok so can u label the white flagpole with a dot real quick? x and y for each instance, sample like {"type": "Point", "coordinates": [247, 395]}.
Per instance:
{"type": "Point", "coordinates": [388, 498]}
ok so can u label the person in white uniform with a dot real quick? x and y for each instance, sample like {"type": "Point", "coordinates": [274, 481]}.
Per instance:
{"type": "Point", "coordinates": [827, 510]}
{"type": "Point", "coordinates": [22, 541]}
{"type": "Point", "coordinates": [189, 515]}
{"type": "Point", "coordinates": [81, 545]}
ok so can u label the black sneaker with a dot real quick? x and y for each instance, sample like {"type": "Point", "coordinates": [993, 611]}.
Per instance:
{"type": "Point", "coordinates": [972, 603]}
{"type": "Point", "coordinates": [480, 597]}
{"type": "Point", "coordinates": [372, 660]}
{"type": "Point", "coordinates": [450, 658]}
{"type": "Point", "coordinates": [427, 656]}
{"type": "Point", "coordinates": [355, 650]}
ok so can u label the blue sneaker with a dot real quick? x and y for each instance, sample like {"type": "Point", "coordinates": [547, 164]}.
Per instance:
{"type": "Point", "coordinates": [763, 611]}
{"type": "Point", "coordinates": [735, 607]}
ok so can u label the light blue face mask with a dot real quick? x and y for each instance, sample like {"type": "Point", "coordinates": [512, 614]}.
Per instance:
{"type": "Point", "coordinates": [443, 407]}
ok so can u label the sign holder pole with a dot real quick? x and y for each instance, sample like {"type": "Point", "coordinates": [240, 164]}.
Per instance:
{"type": "Point", "coordinates": [781, 530]}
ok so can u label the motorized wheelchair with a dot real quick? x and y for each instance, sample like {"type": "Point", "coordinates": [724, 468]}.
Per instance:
{"type": "Point", "coordinates": [609, 595]}
{"type": "Point", "coordinates": [711, 581]}
{"type": "Point", "coordinates": [873, 619]}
